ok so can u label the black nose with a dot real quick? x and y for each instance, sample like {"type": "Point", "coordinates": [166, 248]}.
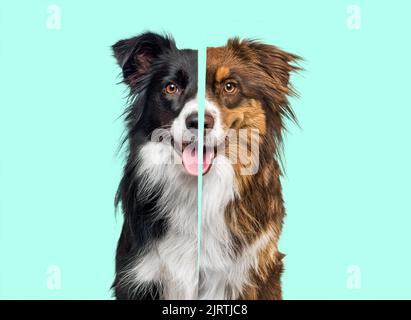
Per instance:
{"type": "Point", "coordinates": [192, 121]}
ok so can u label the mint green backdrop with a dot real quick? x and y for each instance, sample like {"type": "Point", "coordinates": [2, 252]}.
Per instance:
{"type": "Point", "coordinates": [346, 188]}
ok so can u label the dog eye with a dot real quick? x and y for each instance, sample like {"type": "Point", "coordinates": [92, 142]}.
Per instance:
{"type": "Point", "coordinates": [171, 88]}
{"type": "Point", "coordinates": [230, 87]}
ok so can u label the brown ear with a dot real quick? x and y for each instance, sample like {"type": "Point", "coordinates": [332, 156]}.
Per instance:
{"type": "Point", "coordinates": [277, 63]}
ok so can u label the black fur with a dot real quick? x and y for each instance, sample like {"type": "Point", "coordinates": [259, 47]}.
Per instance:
{"type": "Point", "coordinates": [149, 62]}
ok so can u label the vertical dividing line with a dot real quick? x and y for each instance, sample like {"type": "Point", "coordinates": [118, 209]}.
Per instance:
{"type": "Point", "coordinates": [201, 101]}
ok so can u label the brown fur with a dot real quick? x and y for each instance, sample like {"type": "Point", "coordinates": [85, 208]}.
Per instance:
{"type": "Point", "coordinates": [261, 73]}
{"type": "Point", "coordinates": [221, 73]}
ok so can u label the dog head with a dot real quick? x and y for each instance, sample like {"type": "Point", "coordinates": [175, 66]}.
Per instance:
{"type": "Point", "coordinates": [247, 84]}
{"type": "Point", "coordinates": [163, 99]}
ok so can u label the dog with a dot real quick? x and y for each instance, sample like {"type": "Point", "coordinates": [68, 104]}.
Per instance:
{"type": "Point", "coordinates": [247, 84]}
{"type": "Point", "coordinates": [157, 250]}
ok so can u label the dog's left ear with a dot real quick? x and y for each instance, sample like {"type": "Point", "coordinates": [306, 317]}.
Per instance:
{"type": "Point", "coordinates": [136, 55]}
{"type": "Point", "coordinates": [277, 63]}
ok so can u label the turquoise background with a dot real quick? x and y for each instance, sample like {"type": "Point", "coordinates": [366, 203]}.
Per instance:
{"type": "Point", "coordinates": [348, 168]}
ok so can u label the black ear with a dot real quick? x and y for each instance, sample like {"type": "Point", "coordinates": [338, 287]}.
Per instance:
{"type": "Point", "coordinates": [136, 55]}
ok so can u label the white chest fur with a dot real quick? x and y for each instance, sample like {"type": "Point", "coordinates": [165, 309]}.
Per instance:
{"type": "Point", "coordinates": [216, 258]}
{"type": "Point", "coordinates": [172, 261]}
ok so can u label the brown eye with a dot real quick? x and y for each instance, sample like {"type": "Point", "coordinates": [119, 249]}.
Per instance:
{"type": "Point", "coordinates": [230, 87]}
{"type": "Point", "coordinates": [171, 88]}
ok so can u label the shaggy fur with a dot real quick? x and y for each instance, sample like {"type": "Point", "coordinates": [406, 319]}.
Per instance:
{"type": "Point", "coordinates": [156, 253]}
{"type": "Point", "coordinates": [247, 84]}
{"type": "Point", "coordinates": [258, 103]}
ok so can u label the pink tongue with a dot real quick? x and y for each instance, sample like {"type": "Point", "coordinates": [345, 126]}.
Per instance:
{"type": "Point", "coordinates": [190, 160]}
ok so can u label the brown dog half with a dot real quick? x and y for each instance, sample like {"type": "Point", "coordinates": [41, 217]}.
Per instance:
{"type": "Point", "coordinates": [247, 84]}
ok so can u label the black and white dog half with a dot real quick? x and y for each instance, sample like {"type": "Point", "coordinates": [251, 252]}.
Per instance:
{"type": "Point", "coordinates": [157, 250]}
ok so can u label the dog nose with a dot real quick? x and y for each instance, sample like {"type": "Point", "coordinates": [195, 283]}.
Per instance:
{"type": "Point", "coordinates": [192, 121]}
{"type": "Point", "coordinates": [208, 121]}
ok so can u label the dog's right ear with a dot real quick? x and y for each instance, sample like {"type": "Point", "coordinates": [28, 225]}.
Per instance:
{"type": "Point", "coordinates": [136, 55]}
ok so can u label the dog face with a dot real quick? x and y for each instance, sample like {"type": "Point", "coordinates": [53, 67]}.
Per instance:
{"type": "Point", "coordinates": [247, 84]}
{"type": "Point", "coordinates": [163, 88]}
